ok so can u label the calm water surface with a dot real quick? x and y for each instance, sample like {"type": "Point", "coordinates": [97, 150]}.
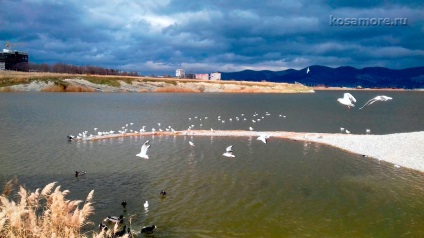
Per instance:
{"type": "Point", "coordinates": [280, 189]}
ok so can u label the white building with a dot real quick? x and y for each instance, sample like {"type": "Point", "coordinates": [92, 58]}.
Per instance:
{"type": "Point", "coordinates": [215, 76]}
{"type": "Point", "coordinates": [180, 73]}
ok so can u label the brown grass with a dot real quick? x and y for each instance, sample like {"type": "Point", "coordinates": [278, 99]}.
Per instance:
{"type": "Point", "coordinates": [175, 90]}
{"type": "Point", "coordinates": [6, 89]}
{"type": "Point", "coordinates": [69, 88]}
{"type": "Point", "coordinates": [76, 88]}
{"type": "Point", "coordinates": [45, 213]}
{"type": "Point", "coordinates": [54, 88]}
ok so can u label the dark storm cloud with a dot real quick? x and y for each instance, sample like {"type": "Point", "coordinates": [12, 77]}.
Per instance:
{"type": "Point", "coordinates": [205, 36]}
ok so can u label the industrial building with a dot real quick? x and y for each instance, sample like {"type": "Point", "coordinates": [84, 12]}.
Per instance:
{"type": "Point", "coordinates": [180, 73]}
{"type": "Point", "coordinates": [215, 76]}
{"type": "Point", "coordinates": [13, 60]}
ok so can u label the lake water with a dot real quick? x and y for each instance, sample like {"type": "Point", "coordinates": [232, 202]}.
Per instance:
{"type": "Point", "coordinates": [280, 189]}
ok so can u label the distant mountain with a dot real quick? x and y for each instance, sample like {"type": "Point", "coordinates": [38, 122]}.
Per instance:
{"type": "Point", "coordinates": [371, 77]}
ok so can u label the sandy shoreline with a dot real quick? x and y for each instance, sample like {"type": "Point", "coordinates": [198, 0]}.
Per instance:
{"type": "Point", "coordinates": [361, 89]}
{"type": "Point", "coordinates": [400, 149]}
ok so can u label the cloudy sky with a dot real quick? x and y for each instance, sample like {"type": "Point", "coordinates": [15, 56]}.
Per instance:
{"type": "Point", "coordinates": [158, 36]}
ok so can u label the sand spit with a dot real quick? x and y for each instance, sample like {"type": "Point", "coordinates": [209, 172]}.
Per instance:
{"type": "Point", "coordinates": [400, 149]}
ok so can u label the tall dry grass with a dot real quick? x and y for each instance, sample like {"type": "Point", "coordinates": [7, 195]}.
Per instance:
{"type": "Point", "coordinates": [44, 213]}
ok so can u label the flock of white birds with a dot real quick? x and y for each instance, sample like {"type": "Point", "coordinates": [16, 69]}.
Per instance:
{"type": "Point", "coordinates": [348, 100]}
{"type": "Point", "coordinates": [195, 122]}
{"type": "Point", "coordinates": [198, 120]}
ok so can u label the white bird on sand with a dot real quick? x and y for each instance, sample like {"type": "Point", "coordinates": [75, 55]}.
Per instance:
{"type": "Point", "coordinates": [146, 204]}
{"type": "Point", "coordinates": [367, 130]}
{"type": "Point", "coordinates": [263, 138]}
{"type": "Point", "coordinates": [378, 98]}
{"type": "Point", "coordinates": [143, 151]}
{"type": "Point", "coordinates": [347, 100]}
{"type": "Point", "coordinates": [341, 129]}
{"type": "Point", "coordinates": [191, 143]}
{"type": "Point", "coordinates": [347, 131]}
{"type": "Point", "coordinates": [251, 128]}
{"type": "Point", "coordinates": [229, 152]}
{"type": "Point", "coordinates": [307, 70]}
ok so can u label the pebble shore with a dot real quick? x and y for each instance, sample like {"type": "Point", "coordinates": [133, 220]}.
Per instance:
{"type": "Point", "coordinates": [400, 149]}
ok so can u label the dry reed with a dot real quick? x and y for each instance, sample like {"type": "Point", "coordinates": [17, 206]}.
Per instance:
{"type": "Point", "coordinates": [44, 213]}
